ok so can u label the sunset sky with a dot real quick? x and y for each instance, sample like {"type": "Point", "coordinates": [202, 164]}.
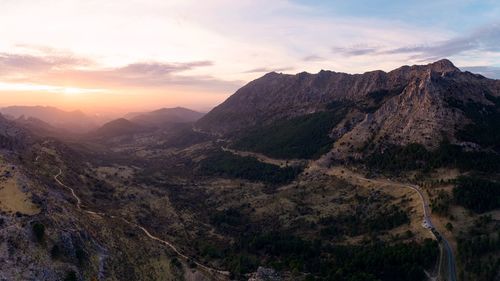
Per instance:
{"type": "Point", "coordinates": [135, 55]}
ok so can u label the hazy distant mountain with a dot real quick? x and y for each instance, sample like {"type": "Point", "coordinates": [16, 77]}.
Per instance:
{"type": "Point", "coordinates": [165, 116]}
{"type": "Point", "coordinates": [117, 128]}
{"type": "Point", "coordinates": [73, 121]}
{"type": "Point", "coordinates": [39, 127]}
{"type": "Point", "coordinates": [347, 113]}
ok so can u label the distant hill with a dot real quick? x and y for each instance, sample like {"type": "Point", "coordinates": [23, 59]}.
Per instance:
{"type": "Point", "coordinates": [73, 121]}
{"type": "Point", "coordinates": [117, 128]}
{"type": "Point", "coordinates": [165, 116]}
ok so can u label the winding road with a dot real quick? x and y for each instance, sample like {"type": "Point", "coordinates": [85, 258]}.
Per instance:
{"type": "Point", "coordinates": [447, 252]}
{"type": "Point", "coordinates": [207, 269]}
{"type": "Point", "coordinates": [451, 272]}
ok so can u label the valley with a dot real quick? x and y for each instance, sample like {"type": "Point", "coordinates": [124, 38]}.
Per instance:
{"type": "Point", "coordinates": [324, 176]}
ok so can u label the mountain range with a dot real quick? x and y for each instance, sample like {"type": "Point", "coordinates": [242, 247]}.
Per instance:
{"type": "Point", "coordinates": [45, 120]}
{"type": "Point", "coordinates": [71, 121]}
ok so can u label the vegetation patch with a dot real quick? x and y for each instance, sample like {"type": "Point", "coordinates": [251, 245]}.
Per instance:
{"type": "Point", "coordinates": [182, 136]}
{"type": "Point", "coordinates": [302, 137]}
{"type": "Point", "coordinates": [39, 231]}
{"type": "Point", "coordinates": [357, 223]}
{"type": "Point", "coordinates": [478, 251]}
{"type": "Point", "coordinates": [226, 164]}
{"type": "Point", "coordinates": [229, 219]}
{"type": "Point", "coordinates": [376, 261]}
{"type": "Point", "coordinates": [376, 99]}
{"type": "Point", "coordinates": [477, 194]}
{"type": "Point", "coordinates": [417, 157]}
{"type": "Point", "coordinates": [485, 126]}
{"type": "Point", "coordinates": [441, 204]}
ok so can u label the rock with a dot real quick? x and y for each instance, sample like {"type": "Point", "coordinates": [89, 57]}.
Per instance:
{"type": "Point", "coordinates": [265, 274]}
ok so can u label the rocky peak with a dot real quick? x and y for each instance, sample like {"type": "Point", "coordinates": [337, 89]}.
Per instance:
{"type": "Point", "coordinates": [443, 65]}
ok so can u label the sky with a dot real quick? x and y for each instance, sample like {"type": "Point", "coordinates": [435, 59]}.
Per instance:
{"type": "Point", "coordinates": [134, 55]}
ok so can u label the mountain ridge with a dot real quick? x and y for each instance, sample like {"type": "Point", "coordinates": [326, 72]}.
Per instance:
{"type": "Point", "coordinates": [165, 116]}
{"type": "Point", "coordinates": [73, 121]}
{"type": "Point", "coordinates": [410, 104]}
{"type": "Point", "coordinates": [116, 128]}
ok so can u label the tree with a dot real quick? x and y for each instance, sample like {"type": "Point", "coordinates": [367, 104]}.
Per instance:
{"type": "Point", "coordinates": [71, 276]}
{"type": "Point", "coordinates": [449, 226]}
{"type": "Point", "coordinates": [39, 231]}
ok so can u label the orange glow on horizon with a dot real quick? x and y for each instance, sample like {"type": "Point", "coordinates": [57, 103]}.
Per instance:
{"type": "Point", "coordinates": [106, 101]}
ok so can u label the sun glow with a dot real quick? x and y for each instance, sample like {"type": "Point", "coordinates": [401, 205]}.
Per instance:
{"type": "Point", "coordinates": [69, 91]}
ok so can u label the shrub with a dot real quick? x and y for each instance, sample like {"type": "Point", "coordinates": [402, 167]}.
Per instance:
{"type": "Point", "coordinates": [39, 231]}
{"type": "Point", "coordinates": [71, 276]}
{"type": "Point", "coordinates": [477, 194]}
{"type": "Point", "coordinates": [226, 164]}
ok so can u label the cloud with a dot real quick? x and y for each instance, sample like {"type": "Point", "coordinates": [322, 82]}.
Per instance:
{"type": "Point", "coordinates": [268, 69]}
{"type": "Point", "coordinates": [156, 68]}
{"type": "Point", "coordinates": [155, 75]}
{"type": "Point", "coordinates": [488, 71]}
{"type": "Point", "coordinates": [313, 58]}
{"type": "Point", "coordinates": [252, 33]}
{"type": "Point", "coordinates": [73, 71]}
{"type": "Point", "coordinates": [20, 62]}
{"type": "Point", "coordinates": [357, 50]}
{"type": "Point", "coordinates": [485, 39]}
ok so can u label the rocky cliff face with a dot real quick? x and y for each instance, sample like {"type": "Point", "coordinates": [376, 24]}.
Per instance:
{"type": "Point", "coordinates": [410, 104]}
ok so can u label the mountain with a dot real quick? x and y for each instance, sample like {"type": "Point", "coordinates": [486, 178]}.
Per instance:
{"type": "Point", "coordinates": [165, 116]}
{"type": "Point", "coordinates": [117, 128]}
{"type": "Point", "coordinates": [73, 121]}
{"type": "Point", "coordinates": [422, 104]}
{"type": "Point", "coordinates": [39, 127]}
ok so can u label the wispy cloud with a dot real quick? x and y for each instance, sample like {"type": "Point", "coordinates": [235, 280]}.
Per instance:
{"type": "Point", "coordinates": [72, 71]}
{"type": "Point", "coordinates": [157, 68]}
{"type": "Point", "coordinates": [18, 62]}
{"type": "Point", "coordinates": [267, 69]}
{"type": "Point", "coordinates": [312, 58]}
{"type": "Point", "coordinates": [485, 39]}
{"type": "Point", "coordinates": [357, 50]}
